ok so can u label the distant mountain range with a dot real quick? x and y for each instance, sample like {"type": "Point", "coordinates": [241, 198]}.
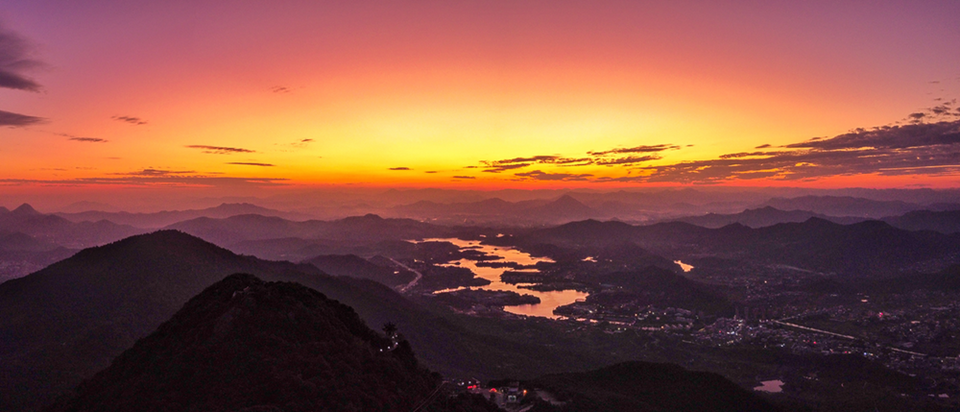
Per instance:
{"type": "Point", "coordinates": [530, 212]}
{"type": "Point", "coordinates": [30, 240]}
{"type": "Point", "coordinates": [844, 206]}
{"type": "Point", "coordinates": [865, 249]}
{"type": "Point", "coordinates": [946, 222]}
{"type": "Point", "coordinates": [62, 232]}
{"type": "Point", "coordinates": [766, 216]}
{"type": "Point", "coordinates": [166, 218]}
{"type": "Point", "coordinates": [256, 227]}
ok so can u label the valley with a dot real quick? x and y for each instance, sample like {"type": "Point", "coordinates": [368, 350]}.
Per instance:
{"type": "Point", "coordinates": [819, 306]}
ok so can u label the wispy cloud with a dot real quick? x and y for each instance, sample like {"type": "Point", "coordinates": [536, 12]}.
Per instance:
{"type": "Point", "coordinates": [156, 177]}
{"type": "Point", "coordinates": [628, 160]}
{"type": "Point", "coordinates": [88, 139]}
{"type": "Point", "coordinates": [280, 89]}
{"type": "Point", "coordinates": [250, 164]}
{"type": "Point", "coordinates": [505, 167]}
{"type": "Point", "coordinates": [637, 149]}
{"type": "Point", "coordinates": [18, 120]}
{"type": "Point", "coordinates": [613, 157]}
{"type": "Point", "coordinates": [464, 177]}
{"type": "Point", "coordinates": [130, 119]}
{"type": "Point", "coordinates": [15, 61]}
{"type": "Point", "coordinates": [219, 149]}
{"type": "Point", "coordinates": [539, 175]}
{"type": "Point", "coordinates": [399, 168]}
{"type": "Point", "coordinates": [156, 172]}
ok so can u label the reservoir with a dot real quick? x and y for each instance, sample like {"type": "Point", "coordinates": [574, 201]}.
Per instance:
{"type": "Point", "coordinates": [774, 386]}
{"type": "Point", "coordinates": [548, 300]}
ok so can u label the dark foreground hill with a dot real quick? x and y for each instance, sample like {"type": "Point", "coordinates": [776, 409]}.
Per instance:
{"type": "Point", "coordinates": [243, 344]}
{"type": "Point", "coordinates": [643, 386]}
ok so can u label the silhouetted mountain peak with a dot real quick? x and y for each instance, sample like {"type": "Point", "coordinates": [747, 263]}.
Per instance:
{"type": "Point", "coordinates": [819, 222]}
{"type": "Point", "coordinates": [765, 209]}
{"type": "Point", "coordinates": [494, 201]}
{"type": "Point", "coordinates": [25, 210]}
{"type": "Point", "coordinates": [569, 203]}
{"type": "Point", "coordinates": [159, 242]}
{"type": "Point", "coordinates": [246, 343]}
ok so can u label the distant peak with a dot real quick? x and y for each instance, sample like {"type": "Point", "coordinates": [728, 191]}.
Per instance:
{"type": "Point", "coordinates": [26, 209]}
{"type": "Point", "coordinates": [372, 216]}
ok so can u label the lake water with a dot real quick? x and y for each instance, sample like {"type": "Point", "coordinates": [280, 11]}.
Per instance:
{"type": "Point", "coordinates": [684, 266]}
{"type": "Point", "coordinates": [774, 386]}
{"type": "Point", "coordinates": [548, 300]}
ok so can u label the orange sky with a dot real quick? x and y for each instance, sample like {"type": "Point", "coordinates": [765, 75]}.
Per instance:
{"type": "Point", "coordinates": [243, 96]}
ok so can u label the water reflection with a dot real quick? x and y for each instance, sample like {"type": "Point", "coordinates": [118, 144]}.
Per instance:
{"type": "Point", "coordinates": [548, 300]}
{"type": "Point", "coordinates": [774, 386]}
{"type": "Point", "coordinates": [684, 266]}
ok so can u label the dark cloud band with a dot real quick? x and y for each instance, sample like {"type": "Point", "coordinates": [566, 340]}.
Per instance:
{"type": "Point", "coordinates": [18, 120]}
{"type": "Point", "coordinates": [219, 149]}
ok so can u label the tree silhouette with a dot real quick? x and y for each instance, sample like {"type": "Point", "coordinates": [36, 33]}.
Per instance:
{"type": "Point", "coordinates": [390, 329]}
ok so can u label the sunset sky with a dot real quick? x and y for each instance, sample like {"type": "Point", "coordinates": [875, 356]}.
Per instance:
{"type": "Point", "coordinates": [247, 95]}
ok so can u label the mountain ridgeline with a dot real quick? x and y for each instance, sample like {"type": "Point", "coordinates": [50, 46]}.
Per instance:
{"type": "Point", "coordinates": [865, 249]}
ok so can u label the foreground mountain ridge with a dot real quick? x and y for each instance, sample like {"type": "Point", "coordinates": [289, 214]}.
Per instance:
{"type": "Point", "coordinates": [244, 343]}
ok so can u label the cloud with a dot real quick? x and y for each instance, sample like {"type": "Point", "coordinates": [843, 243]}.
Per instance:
{"type": "Point", "coordinates": [746, 154]}
{"type": "Point", "coordinates": [763, 146]}
{"type": "Point", "coordinates": [430, 171]}
{"type": "Point", "coordinates": [503, 168]}
{"type": "Point", "coordinates": [128, 119]}
{"type": "Point", "coordinates": [88, 139]}
{"type": "Point", "coordinates": [629, 160]}
{"type": "Point", "coordinates": [156, 177]}
{"type": "Point", "coordinates": [18, 120]}
{"type": "Point", "coordinates": [250, 164]}
{"type": "Point", "coordinates": [497, 166]}
{"type": "Point", "coordinates": [15, 59]}
{"type": "Point", "coordinates": [219, 149]}
{"type": "Point", "coordinates": [399, 168]}
{"type": "Point", "coordinates": [889, 137]}
{"type": "Point", "coordinates": [534, 159]}
{"type": "Point", "coordinates": [923, 148]}
{"type": "Point", "coordinates": [539, 175]}
{"type": "Point", "coordinates": [280, 89]}
{"type": "Point", "coordinates": [464, 177]}
{"type": "Point", "coordinates": [638, 149]}
{"type": "Point", "coordinates": [156, 172]}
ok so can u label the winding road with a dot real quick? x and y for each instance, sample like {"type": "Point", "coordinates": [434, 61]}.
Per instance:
{"type": "Point", "coordinates": [405, 288]}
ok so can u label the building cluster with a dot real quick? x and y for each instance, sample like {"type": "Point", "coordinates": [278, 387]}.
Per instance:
{"type": "Point", "coordinates": [631, 316]}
